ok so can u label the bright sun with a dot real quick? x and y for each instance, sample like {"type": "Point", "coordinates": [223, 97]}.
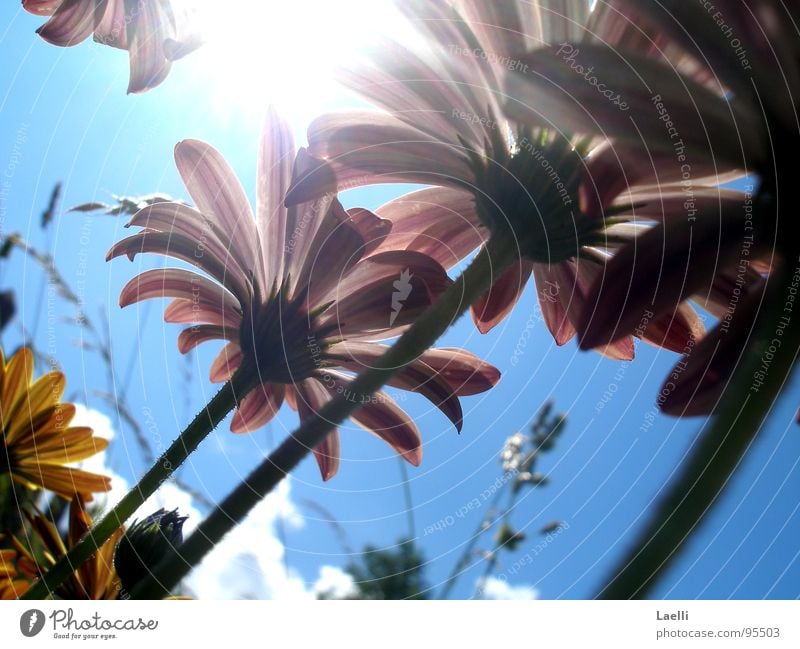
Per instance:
{"type": "Point", "coordinates": [261, 52]}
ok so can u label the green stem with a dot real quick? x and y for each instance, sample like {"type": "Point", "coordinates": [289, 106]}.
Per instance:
{"type": "Point", "coordinates": [693, 493]}
{"type": "Point", "coordinates": [490, 263]}
{"type": "Point", "coordinates": [205, 421]}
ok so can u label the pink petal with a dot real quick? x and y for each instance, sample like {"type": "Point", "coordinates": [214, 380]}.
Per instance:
{"type": "Point", "coordinates": [179, 283]}
{"type": "Point", "coordinates": [369, 148]}
{"type": "Point", "coordinates": [504, 294]}
{"type": "Point", "coordinates": [696, 383]}
{"type": "Point", "coordinates": [466, 373]}
{"type": "Point", "coordinates": [190, 338]}
{"type": "Point", "coordinates": [72, 22]}
{"type": "Point", "coordinates": [310, 397]}
{"type": "Point", "coordinates": [613, 171]}
{"type": "Point", "coordinates": [112, 28]}
{"type": "Point", "coordinates": [372, 228]}
{"type": "Point", "coordinates": [504, 29]}
{"type": "Point", "coordinates": [656, 273]}
{"type": "Point", "coordinates": [680, 21]}
{"type": "Point", "coordinates": [181, 219]}
{"type": "Point", "coordinates": [552, 92]}
{"type": "Point", "coordinates": [153, 24]}
{"type": "Point", "coordinates": [217, 191]}
{"type": "Point", "coordinates": [258, 408]}
{"type": "Point", "coordinates": [326, 257]}
{"type": "Point", "coordinates": [401, 83]}
{"type": "Point", "coordinates": [676, 331]}
{"type": "Point", "coordinates": [41, 7]}
{"type": "Point", "coordinates": [442, 24]}
{"type": "Point", "coordinates": [210, 236]}
{"type": "Point", "coordinates": [548, 289]}
{"type": "Point", "coordinates": [226, 363]}
{"type": "Point", "coordinates": [183, 311]}
{"type": "Point", "coordinates": [563, 20]}
{"type": "Point", "coordinates": [384, 293]}
{"type": "Point", "coordinates": [384, 418]}
{"type": "Point", "coordinates": [187, 249]}
{"type": "Point", "coordinates": [417, 376]}
{"type": "Point", "coordinates": [276, 159]}
{"type": "Point", "coordinates": [621, 24]}
{"type": "Point", "coordinates": [672, 202]}
{"type": "Point", "coordinates": [620, 350]}
{"type": "Point", "coordinates": [440, 222]}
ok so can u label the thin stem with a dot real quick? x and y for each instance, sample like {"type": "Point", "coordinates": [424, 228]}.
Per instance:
{"type": "Point", "coordinates": [490, 263]}
{"type": "Point", "coordinates": [741, 412]}
{"type": "Point", "coordinates": [205, 421]}
{"type": "Point", "coordinates": [409, 500]}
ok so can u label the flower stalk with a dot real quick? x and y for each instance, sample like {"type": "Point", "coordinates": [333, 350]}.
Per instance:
{"type": "Point", "coordinates": [204, 422]}
{"type": "Point", "coordinates": [490, 263]}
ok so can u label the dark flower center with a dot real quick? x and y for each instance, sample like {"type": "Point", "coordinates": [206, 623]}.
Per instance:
{"type": "Point", "coordinates": [281, 340]}
{"type": "Point", "coordinates": [531, 194]}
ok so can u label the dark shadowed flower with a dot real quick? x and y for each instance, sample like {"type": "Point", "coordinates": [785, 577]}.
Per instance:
{"type": "Point", "coordinates": [34, 555]}
{"type": "Point", "coordinates": [704, 94]}
{"type": "Point", "coordinates": [298, 293]}
{"type": "Point", "coordinates": [565, 199]}
{"type": "Point", "coordinates": [36, 439]}
{"type": "Point", "coordinates": [149, 29]}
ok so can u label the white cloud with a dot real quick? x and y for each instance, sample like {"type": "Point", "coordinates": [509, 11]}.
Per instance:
{"type": "Point", "coordinates": [334, 583]}
{"type": "Point", "coordinates": [249, 563]}
{"type": "Point", "coordinates": [494, 588]}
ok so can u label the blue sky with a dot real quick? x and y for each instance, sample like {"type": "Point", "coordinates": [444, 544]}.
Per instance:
{"type": "Point", "coordinates": [64, 116]}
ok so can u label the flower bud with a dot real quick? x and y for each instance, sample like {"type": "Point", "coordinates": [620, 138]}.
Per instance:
{"type": "Point", "coordinates": [144, 544]}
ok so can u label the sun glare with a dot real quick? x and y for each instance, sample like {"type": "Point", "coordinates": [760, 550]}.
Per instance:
{"type": "Point", "coordinates": [285, 53]}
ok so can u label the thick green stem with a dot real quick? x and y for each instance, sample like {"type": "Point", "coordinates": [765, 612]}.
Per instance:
{"type": "Point", "coordinates": [726, 439]}
{"type": "Point", "coordinates": [490, 263]}
{"type": "Point", "coordinates": [205, 421]}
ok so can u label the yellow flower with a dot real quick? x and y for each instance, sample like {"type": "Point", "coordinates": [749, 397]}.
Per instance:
{"type": "Point", "coordinates": [36, 440]}
{"type": "Point", "coordinates": [11, 587]}
{"type": "Point", "coordinates": [95, 579]}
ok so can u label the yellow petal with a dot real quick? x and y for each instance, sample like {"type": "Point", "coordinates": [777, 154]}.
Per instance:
{"type": "Point", "coordinates": [19, 373]}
